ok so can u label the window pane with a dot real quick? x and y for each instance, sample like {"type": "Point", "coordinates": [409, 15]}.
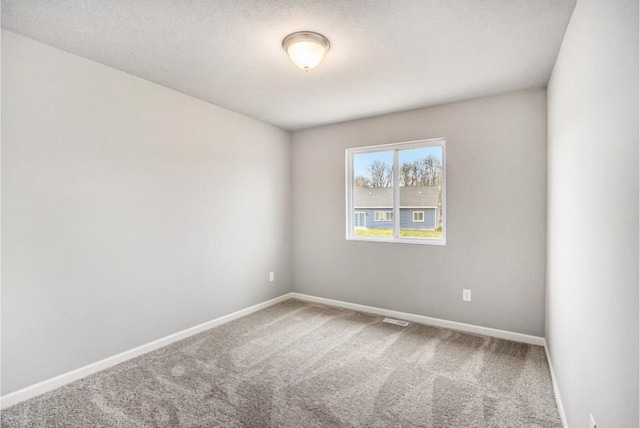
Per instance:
{"type": "Point", "coordinates": [420, 180]}
{"type": "Point", "coordinates": [407, 207]}
{"type": "Point", "coordinates": [373, 194]}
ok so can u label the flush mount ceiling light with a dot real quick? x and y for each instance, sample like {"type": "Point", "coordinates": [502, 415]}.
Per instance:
{"type": "Point", "coordinates": [305, 48]}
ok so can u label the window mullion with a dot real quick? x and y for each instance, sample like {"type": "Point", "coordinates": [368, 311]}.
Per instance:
{"type": "Point", "coordinates": [396, 196]}
{"type": "Point", "coordinates": [349, 195]}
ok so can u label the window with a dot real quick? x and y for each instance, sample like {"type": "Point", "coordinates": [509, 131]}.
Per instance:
{"type": "Point", "coordinates": [383, 216]}
{"type": "Point", "coordinates": [402, 188]}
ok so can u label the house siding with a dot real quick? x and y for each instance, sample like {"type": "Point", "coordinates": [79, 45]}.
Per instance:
{"type": "Point", "coordinates": [406, 218]}
{"type": "Point", "coordinates": [370, 218]}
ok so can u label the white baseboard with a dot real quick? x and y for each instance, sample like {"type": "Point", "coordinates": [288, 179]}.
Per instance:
{"type": "Point", "coordinates": [65, 378]}
{"type": "Point", "coordinates": [556, 388]}
{"type": "Point", "coordinates": [453, 325]}
{"type": "Point", "coordinates": [421, 319]}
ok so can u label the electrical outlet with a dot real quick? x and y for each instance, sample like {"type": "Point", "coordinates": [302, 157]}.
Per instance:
{"type": "Point", "coordinates": [466, 294]}
{"type": "Point", "coordinates": [592, 422]}
{"type": "Point", "coordinates": [272, 276]}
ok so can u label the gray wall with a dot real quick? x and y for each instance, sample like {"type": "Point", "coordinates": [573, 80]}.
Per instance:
{"type": "Point", "coordinates": [592, 288]}
{"type": "Point", "coordinates": [496, 216]}
{"type": "Point", "coordinates": [128, 212]}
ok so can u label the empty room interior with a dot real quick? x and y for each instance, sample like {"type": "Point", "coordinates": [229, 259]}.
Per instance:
{"type": "Point", "coordinates": [280, 213]}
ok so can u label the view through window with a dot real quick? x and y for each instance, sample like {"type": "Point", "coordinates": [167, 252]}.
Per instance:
{"type": "Point", "coordinates": [396, 192]}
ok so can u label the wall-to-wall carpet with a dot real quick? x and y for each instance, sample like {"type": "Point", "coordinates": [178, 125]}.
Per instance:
{"type": "Point", "coordinates": [297, 364]}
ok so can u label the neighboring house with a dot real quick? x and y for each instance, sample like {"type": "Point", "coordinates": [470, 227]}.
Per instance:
{"type": "Point", "coordinates": [373, 207]}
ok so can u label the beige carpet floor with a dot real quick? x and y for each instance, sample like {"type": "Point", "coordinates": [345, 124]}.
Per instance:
{"type": "Point", "coordinates": [297, 364]}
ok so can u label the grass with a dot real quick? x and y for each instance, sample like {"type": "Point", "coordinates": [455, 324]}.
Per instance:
{"type": "Point", "coordinates": [410, 233]}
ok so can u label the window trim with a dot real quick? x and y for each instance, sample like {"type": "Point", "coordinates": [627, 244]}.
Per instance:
{"type": "Point", "coordinates": [395, 147]}
{"type": "Point", "coordinates": [414, 216]}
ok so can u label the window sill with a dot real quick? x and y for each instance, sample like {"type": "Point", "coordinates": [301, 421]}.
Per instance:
{"type": "Point", "coordinates": [438, 242]}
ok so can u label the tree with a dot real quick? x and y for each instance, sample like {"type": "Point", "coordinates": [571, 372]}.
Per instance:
{"type": "Point", "coordinates": [424, 172]}
{"type": "Point", "coordinates": [362, 181]}
{"type": "Point", "coordinates": [380, 174]}
{"type": "Point", "coordinates": [405, 174]}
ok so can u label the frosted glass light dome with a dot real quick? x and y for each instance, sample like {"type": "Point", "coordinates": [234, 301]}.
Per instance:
{"type": "Point", "coordinates": [306, 49]}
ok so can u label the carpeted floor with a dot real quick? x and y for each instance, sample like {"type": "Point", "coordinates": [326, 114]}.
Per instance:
{"type": "Point", "coordinates": [297, 364]}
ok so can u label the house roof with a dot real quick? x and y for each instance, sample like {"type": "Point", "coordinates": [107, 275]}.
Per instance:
{"type": "Point", "coordinates": [382, 197]}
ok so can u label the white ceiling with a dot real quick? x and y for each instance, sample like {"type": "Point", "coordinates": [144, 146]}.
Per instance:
{"type": "Point", "coordinates": [386, 55]}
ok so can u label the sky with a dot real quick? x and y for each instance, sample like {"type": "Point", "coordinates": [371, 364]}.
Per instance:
{"type": "Point", "coordinates": [362, 161]}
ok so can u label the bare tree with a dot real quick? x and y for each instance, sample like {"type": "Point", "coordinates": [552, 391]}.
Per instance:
{"type": "Point", "coordinates": [435, 170]}
{"type": "Point", "coordinates": [424, 172]}
{"type": "Point", "coordinates": [362, 181]}
{"type": "Point", "coordinates": [405, 174]}
{"type": "Point", "coordinates": [380, 174]}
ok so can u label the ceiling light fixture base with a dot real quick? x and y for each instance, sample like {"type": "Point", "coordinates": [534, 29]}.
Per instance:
{"type": "Point", "coordinates": [306, 48]}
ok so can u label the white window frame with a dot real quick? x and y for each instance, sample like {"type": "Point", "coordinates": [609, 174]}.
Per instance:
{"type": "Point", "coordinates": [388, 216]}
{"type": "Point", "coordinates": [414, 216]}
{"type": "Point", "coordinates": [395, 147]}
{"type": "Point", "coordinates": [378, 216]}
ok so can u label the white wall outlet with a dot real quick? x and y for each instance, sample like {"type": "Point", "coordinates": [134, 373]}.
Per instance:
{"type": "Point", "coordinates": [592, 422]}
{"type": "Point", "coordinates": [466, 294]}
{"type": "Point", "coordinates": [272, 276]}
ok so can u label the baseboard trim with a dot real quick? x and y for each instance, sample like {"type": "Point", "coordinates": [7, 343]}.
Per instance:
{"type": "Point", "coordinates": [556, 388]}
{"type": "Point", "coordinates": [82, 372]}
{"type": "Point", "coordinates": [421, 319]}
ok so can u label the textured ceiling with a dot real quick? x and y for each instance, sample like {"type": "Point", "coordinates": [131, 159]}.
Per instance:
{"type": "Point", "coordinates": [386, 55]}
